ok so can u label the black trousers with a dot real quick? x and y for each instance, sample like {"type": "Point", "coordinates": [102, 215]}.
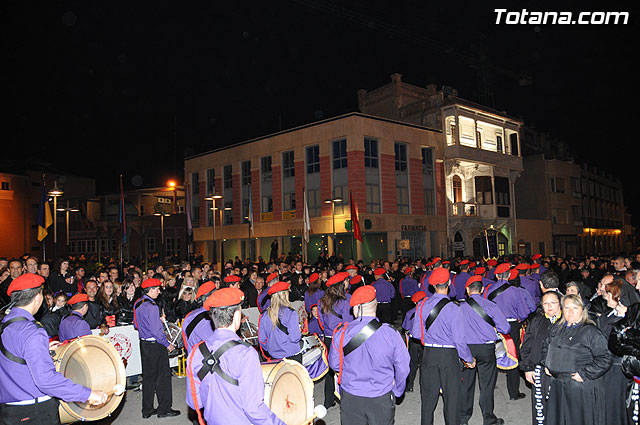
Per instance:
{"type": "Point", "coordinates": [513, 375]}
{"type": "Point", "coordinates": [415, 353]}
{"type": "Point", "coordinates": [156, 377]}
{"type": "Point", "coordinates": [356, 410]}
{"type": "Point", "coordinates": [385, 312]}
{"type": "Point", "coordinates": [45, 413]}
{"type": "Point", "coordinates": [440, 369]}
{"type": "Point", "coordinates": [405, 305]}
{"type": "Point", "coordinates": [485, 355]}
{"type": "Point", "coordinates": [329, 379]}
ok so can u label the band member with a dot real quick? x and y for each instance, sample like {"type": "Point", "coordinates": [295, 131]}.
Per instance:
{"type": "Point", "coordinates": [414, 344]}
{"type": "Point", "coordinates": [481, 319]}
{"type": "Point", "coordinates": [440, 325]}
{"type": "Point", "coordinates": [229, 387]}
{"type": "Point", "coordinates": [197, 325]}
{"type": "Point", "coordinates": [154, 353]}
{"type": "Point", "coordinates": [73, 324]}
{"type": "Point", "coordinates": [408, 287]}
{"type": "Point", "coordinates": [365, 350]}
{"type": "Point", "coordinates": [333, 309]}
{"type": "Point", "coordinates": [458, 286]}
{"type": "Point", "coordinates": [279, 331]}
{"type": "Point", "coordinates": [31, 386]}
{"type": "Point", "coordinates": [314, 293]}
{"type": "Point", "coordinates": [263, 298]}
{"type": "Point", "coordinates": [384, 294]}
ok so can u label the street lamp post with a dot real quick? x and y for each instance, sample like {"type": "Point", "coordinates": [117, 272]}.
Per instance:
{"type": "Point", "coordinates": [172, 187]}
{"type": "Point", "coordinates": [333, 217]}
{"type": "Point", "coordinates": [164, 247]}
{"type": "Point", "coordinates": [213, 198]}
{"type": "Point", "coordinates": [55, 192]}
{"type": "Point", "coordinates": [67, 210]}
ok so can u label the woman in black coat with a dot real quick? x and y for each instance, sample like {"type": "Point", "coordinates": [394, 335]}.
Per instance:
{"type": "Point", "coordinates": [125, 302]}
{"type": "Point", "coordinates": [61, 280]}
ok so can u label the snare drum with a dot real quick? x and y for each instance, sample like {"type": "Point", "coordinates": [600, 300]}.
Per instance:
{"type": "Point", "coordinates": [173, 333]}
{"type": "Point", "coordinates": [93, 362]}
{"type": "Point", "coordinates": [288, 391]}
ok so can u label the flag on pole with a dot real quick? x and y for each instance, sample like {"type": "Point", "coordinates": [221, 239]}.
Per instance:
{"type": "Point", "coordinates": [122, 219]}
{"type": "Point", "coordinates": [44, 216]}
{"type": "Point", "coordinates": [307, 222]}
{"type": "Point", "coordinates": [355, 225]}
{"type": "Point", "coordinates": [250, 214]}
{"type": "Point", "coordinates": [187, 198]}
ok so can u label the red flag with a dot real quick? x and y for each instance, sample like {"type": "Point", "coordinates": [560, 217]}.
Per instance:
{"type": "Point", "coordinates": [355, 225]}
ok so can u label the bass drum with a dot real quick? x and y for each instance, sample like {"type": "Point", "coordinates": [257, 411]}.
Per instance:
{"type": "Point", "coordinates": [288, 391]}
{"type": "Point", "coordinates": [93, 362]}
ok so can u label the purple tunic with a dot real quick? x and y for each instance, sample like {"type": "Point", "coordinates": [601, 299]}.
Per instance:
{"type": "Point", "coordinates": [459, 291]}
{"type": "Point", "coordinates": [38, 377]}
{"type": "Point", "coordinates": [312, 299]}
{"type": "Point", "coordinates": [532, 285]}
{"type": "Point", "coordinates": [274, 340]}
{"type": "Point", "coordinates": [73, 326]}
{"type": "Point", "coordinates": [379, 365]}
{"type": "Point", "coordinates": [408, 286]}
{"type": "Point", "coordinates": [200, 332]}
{"type": "Point", "coordinates": [512, 302]}
{"type": "Point", "coordinates": [261, 297]}
{"type": "Point", "coordinates": [384, 290]}
{"type": "Point", "coordinates": [225, 403]}
{"type": "Point", "coordinates": [329, 321]}
{"type": "Point", "coordinates": [447, 330]}
{"type": "Point", "coordinates": [408, 319]}
{"type": "Point", "coordinates": [314, 327]}
{"type": "Point", "coordinates": [147, 319]}
{"type": "Point", "coordinates": [491, 274]}
{"type": "Point", "coordinates": [476, 329]}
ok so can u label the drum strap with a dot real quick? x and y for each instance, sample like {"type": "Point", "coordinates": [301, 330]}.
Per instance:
{"type": "Point", "coordinates": [211, 361]}
{"type": "Point", "coordinates": [435, 312]}
{"type": "Point", "coordinates": [199, 318]}
{"type": "Point", "coordinates": [136, 305]}
{"type": "Point", "coordinates": [364, 334]}
{"type": "Point", "coordinates": [478, 309]}
{"type": "Point", "coordinates": [497, 292]}
{"type": "Point", "coordinates": [6, 352]}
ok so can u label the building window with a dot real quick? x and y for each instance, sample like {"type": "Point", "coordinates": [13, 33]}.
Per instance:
{"type": "Point", "coordinates": [265, 168]}
{"type": "Point", "coordinates": [288, 165]}
{"type": "Point", "coordinates": [289, 201]}
{"type": "Point", "coordinates": [373, 198]}
{"type": "Point", "coordinates": [313, 159]}
{"type": "Point", "coordinates": [245, 210]}
{"type": "Point", "coordinates": [513, 140]}
{"type": "Point", "coordinates": [151, 245]}
{"type": "Point", "coordinates": [267, 204]}
{"type": "Point", "coordinates": [5, 186]}
{"type": "Point", "coordinates": [228, 179]}
{"type": "Point", "coordinates": [484, 192]}
{"type": "Point", "coordinates": [499, 142]}
{"type": "Point", "coordinates": [502, 191]}
{"type": "Point", "coordinates": [195, 216]}
{"type": "Point", "coordinates": [402, 197]}
{"type": "Point", "coordinates": [557, 185]}
{"type": "Point", "coordinates": [401, 156]}
{"type": "Point", "coordinates": [195, 188]}
{"type": "Point", "coordinates": [228, 212]}
{"type": "Point", "coordinates": [173, 246]}
{"type": "Point", "coordinates": [456, 185]}
{"type": "Point", "coordinates": [429, 202]}
{"type": "Point", "coordinates": [211, 181]}
{"type": "Point", "coordinates": [246, 173]}
{"type": "Point", "coordinates": [428, 181]}
{"type": "Point", "coordinates": [427, 161]}
{"type": "Point", "coordinates": [339, 154]}
{"type": "Point", "coordinates": [314, 203]}
{"type": "Point", "coordinates": [370, 153]}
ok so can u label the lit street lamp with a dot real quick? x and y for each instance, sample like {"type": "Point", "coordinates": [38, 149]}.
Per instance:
{"type": "Point", "coordinates": [67, 210]}
{"type": "Point", "coordinates": [173, 188]}
{"type": "Point", "coordinates": [333, 217]}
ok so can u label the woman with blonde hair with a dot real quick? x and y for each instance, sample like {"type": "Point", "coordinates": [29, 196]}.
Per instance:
{"type": "Point", "coordinates": [575, 357]}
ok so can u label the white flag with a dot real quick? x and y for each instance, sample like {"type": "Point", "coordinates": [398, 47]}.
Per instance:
{"type": "Point", "coordinates": [307, 222]}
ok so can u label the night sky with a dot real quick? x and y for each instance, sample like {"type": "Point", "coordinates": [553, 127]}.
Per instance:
{"type": "Point", "coordinates": [100, 88]}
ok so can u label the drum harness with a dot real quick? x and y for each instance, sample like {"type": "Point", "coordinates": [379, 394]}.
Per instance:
{"type": "Point", "coordinates": [6, 352]}
{"type": "Point", "coordinates": [196, 320]}
{"type": "Point", "coordinates": [432, 315]}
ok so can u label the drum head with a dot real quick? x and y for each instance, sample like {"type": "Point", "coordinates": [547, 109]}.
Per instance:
{"type": "Point", "coordinates": [288, 391]}
{"type": "Point", "coordinates": [94, 363]}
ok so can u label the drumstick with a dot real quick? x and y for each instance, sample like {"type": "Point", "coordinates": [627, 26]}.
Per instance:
{"type": "Point", "coordinates": [117, 390]}
{"type": "Point", "coordinates": [318, 412]}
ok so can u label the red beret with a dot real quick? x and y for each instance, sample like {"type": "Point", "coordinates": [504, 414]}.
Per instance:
{"type": "Point", "coordinates": [439, 276]}
{"type": "Point", "coordinates": [476, 278]}
{"type": "Point", "coordinates": [379, 271]}
{"type": "Point", "coordinates": [277, 287]}
{"type": "Point", "coordinates": [78, 298]}
{"type": "Point", "coordinates": [435, 260]}
{"type": "Point", "coordinates": [418, 296]}
{"type": "Point", "coordinates": [408, 270]}
{"type": "Point", "coordinates": [523, 266]}
{"type": "Point", "coordinates": [363, 295]}
{"type": "Point", "coordinates": [513, 274]}
{"type": "Point", "coordinates": [205, 288]}
{"type": "Point", "coordinates": [534, 266]}
{"type": "Point", "coordinates": [536, 256]}
{"type": "Point", "coordinates": [492, 262]}
{"type": "Point", "coordinates": [150, 283]}
{"type": "Point", "coordinates": [313, 277]}
{"type": "Point", "coordinates": [502, 268]}
{"type": "Point", "coordinates": [25, 281]}
{"type": "Point", "coordinates": [232, 278]}
{"type": "Point", "coordinates": [480, 270]}
{"type": "Point", "coordinates": [224, 297]}
{"type": "Point", "coordinates": [430, 263]}
{"type": "Point", "coordinates": [271, 277]}
{"type": "Point", "coordinates": [446, 262]}
{"type": "Point", "coordinates": [472, 264]}
{"type": "Point", "coordinates": [338, 277]}
{"type": "Point", "coordinates": [356, 279]}
{"type": "Point", "coordinates": [351, 267]}
{"type": "Point", "coordinates": [463, 262]}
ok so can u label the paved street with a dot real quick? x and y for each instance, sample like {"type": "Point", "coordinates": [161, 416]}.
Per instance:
{"type": "Point", "coordinates": [407, 413]}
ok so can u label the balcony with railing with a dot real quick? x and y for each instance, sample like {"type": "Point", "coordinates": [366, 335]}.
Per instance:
{"type": "Point", "coordinates": [464, 209]}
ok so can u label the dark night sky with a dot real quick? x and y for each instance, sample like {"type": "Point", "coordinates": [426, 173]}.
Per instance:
{"type": "Point", "coordinates": [100, 88]}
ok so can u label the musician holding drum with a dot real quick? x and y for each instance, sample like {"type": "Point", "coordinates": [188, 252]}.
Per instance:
{"type": "Point", "coordinates": [154, 353]}
{"type": "Point", "coordinates": [31, 386]}
{"type": "Point", "coordinates": [73, 324]}
{"type": "Point", "coordinates": [197, 325]}
{"type": "Point", "coordinates": [225, 376]}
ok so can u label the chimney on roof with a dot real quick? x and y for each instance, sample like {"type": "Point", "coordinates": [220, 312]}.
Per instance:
{"type": "Point", "coordinates": [396, 78]}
